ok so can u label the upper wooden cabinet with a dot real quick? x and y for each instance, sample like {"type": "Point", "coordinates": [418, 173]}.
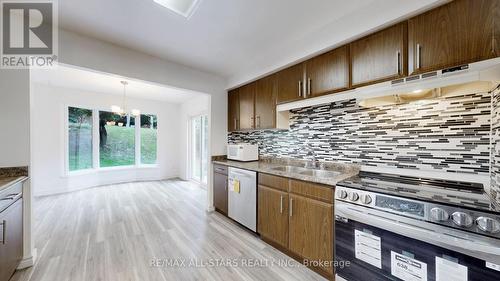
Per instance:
{"type": "Point", "coordinates": [253, 106]}
{"type": "Point", "coordinates": [380, 56]}
{"type": "Point", "coordinates": [459, 32]}
{"type": "Point", "coordinates": [496, 26]}
{"type": "Point", "coordinates": [233, 110]}
{"type": "Point", "coordinates": [247, 107]}
{"type": "Point", "coordinates": [328, 72]}
{"type": "Point", "coordinates": [290, 83]}
{"type": "Point", "coordinates": [265, 103]}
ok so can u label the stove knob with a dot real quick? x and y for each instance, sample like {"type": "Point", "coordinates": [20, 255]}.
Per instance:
{"type": "Point", "coordinates": [439, 214]}
{"type": "Point", "coordinates": [353, 196]}
{"type": "Point", "coordinates": [366, 199]}
{"type": "Point", "coordinates": [342, 194]}
{"type": "Point", "coordinates": [462, 219]}
{"type": "Point", "coordinates": [488, 224]}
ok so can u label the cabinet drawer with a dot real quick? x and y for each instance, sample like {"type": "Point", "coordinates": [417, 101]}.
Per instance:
{"type": "Point", "coordinates": [221, 169]}
{"type": "Point", "coordinates": [277, 182]}
{"type": "Point", "coordinates": [312, 190]}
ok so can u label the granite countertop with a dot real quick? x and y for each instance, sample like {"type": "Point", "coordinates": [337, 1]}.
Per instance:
{"type": "Point", "coordinates": [5, 182]}
{"type": "Point", "coordinates": [268, 166]}
{"type": "Point", "coordinates": [12, 175]}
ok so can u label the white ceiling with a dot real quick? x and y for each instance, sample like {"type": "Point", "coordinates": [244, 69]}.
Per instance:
{"type": "Point", "coordinates": [237, 39]}
{"type": "Point", "coordinates": [96, 82]}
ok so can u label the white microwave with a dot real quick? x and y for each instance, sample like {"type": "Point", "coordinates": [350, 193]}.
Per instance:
{"type": "Point", "coordinates": [243, 152]}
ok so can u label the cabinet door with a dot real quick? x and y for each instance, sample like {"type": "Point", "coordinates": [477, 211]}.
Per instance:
{"type": "Point", "coordinates": [247, 107]}
{"type": "Point", "coordinates": [11, 237]}
{"type": "Point", "coordinates": [220, 191]}
{"type": "Point", "coordinates": [273, 215]}
{"type": "Point", "coordinates": [311, 229]}
{"type": "Point", "coordinates": [265, 103]}
{"type": "Point", "coordinates": [233, 110]}
{"type": "Point", "coordinates": [459, 32]}
{"type": "Point", "coordinates": [291, 83]}
{"type": "Point", "coordinates": [328, 73]}
{"type": "Point", "coordinates": [380, 56]}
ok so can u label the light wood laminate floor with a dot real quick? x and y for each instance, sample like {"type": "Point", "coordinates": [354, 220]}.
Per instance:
{"type": "Point", "coordinates": [114, 233]}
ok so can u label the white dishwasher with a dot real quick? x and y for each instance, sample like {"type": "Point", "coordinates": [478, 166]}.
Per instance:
{"type": "Point", "coordinates": [242, 197]}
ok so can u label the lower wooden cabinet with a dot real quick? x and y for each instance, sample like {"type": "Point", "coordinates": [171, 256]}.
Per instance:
{"type": "Point", "coordinates": [311, 230]}
{"type": "Point", "coordinates": [11, 239]}
{"type": "Point", "coordinates": [273, 215]}
{"type": "Point", "coordinates": [298, 216]}
{"type": "Point", "coordinates": [220, 188]}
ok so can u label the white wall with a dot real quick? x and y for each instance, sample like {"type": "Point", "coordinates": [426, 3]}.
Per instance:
{"type": "Point", "coordinates": [15, 143]}
{"type": "Point", "coordinates": [83, 51]}
{"type": "Point", "coordinates": [189, 109]}
{"type": "Point", "coordinates": [14, 126]}
{"type": "Point", "coordinates": [48, 171]}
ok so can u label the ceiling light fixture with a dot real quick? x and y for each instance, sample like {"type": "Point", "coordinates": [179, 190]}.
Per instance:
{"type": "Point", "coordinates": [417, 91]}
{"type": "Point", "coordinates": [123, 109]}
{"type": "Point", "coordinates": [185, 8]}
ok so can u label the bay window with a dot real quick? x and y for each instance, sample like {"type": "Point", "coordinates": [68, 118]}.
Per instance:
{"type": "Point", "coordinates": [114, 140]}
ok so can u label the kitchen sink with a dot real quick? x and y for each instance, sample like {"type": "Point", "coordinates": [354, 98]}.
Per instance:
{"type": "Point", "coordinates": [320, 173]}
{"type": "Point", "coordinates": [307, 172]}
{"type": "Point", "coordinates": [291, 169]}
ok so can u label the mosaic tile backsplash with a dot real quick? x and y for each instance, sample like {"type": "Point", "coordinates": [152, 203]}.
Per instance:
{"type": "Point", "coordinates": [495, 147]}
{"type": "Point", "coordinates": [450, 134]}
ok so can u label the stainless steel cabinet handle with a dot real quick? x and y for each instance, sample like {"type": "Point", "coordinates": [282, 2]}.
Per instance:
{"type": "Point", "coordinates": [309, 86]}
{"type": "Point", "coordinates": [300, 86]}
{"type": "Point", "coordinates": [253, 122]}
{"type": "Point", "coordinates": [291, 207]}
{"type": "Point", "coordinates": [4, 230]}
{"type": "Point", "coordinates": [418, 56]}
{"type": "Point", "coordinates": [398, 67]}
{"type": "Point", "coordinates": [258, 121]}
{"type": "Point", "coordinates": [281, 204]}
{"type": "Point", "coordinates": [235, 124]}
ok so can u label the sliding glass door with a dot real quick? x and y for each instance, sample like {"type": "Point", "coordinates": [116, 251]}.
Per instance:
{"type": "Point", "coordinates": [199, 148]}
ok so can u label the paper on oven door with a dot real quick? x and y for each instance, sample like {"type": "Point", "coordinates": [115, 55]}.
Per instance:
{"type": "Point", "coordinates": [367, 248]}
{"type": "Point", "coordinates": [447, 270]}
{"type": "Point", "coordinates": [408, 269]}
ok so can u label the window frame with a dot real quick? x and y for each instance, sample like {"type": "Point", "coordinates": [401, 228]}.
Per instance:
{"type": "Point", "coordinates": [96, 168]}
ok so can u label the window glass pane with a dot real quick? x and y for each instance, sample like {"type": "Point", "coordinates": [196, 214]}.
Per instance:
{"type": "Point", "coordinates": [79, 138]}
{"type": "Point", "coordinates": [149, 132]}
{"type": "Point", "coordinates": [116, 139]}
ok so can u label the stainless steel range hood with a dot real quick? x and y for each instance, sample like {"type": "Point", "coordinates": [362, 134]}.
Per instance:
{"type": "Point", "coordinates": [412, 88]}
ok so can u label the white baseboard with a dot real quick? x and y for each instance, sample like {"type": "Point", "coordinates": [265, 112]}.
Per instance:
{"type": "Point", "coordinates": [211, 209]}
{"type": "Point", "coordinates": [29, 261]}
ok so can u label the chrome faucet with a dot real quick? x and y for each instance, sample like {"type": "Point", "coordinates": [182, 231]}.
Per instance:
{"type": "Point", "coordinates": [314, 164]}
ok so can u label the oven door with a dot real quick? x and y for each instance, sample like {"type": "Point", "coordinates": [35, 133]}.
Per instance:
{"type": "Point", "coordinates": [375, 245]}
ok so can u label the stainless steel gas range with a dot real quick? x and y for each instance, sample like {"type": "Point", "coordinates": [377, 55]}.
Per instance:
{"type": "Point", "coordinates": [391, 227]}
